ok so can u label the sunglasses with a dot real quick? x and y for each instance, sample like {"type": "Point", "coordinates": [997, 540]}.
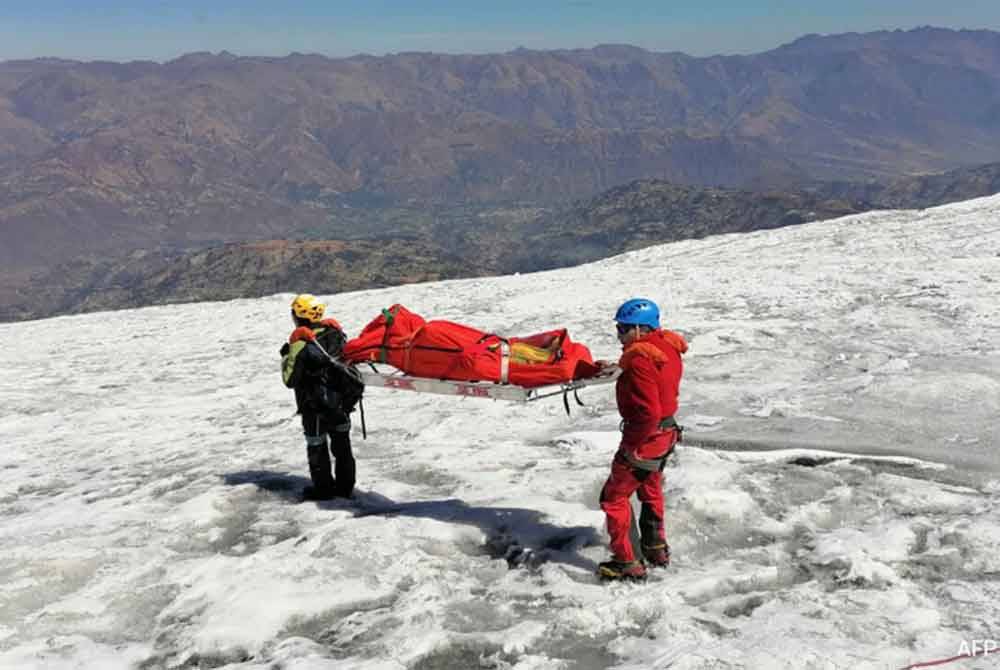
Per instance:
{"type": "Point", "coordinates": [623, 328]}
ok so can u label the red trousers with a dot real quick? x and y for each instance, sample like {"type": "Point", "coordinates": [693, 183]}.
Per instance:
{"type": "Point", "coordinates": [623, 482]}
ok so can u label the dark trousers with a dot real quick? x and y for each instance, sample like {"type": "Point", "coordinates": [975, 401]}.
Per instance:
{"type": "Point", "coordinates": [328, 434]}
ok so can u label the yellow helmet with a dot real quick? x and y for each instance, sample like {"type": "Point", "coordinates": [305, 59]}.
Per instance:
{"type": "Point", "coordinates": [306, 306]}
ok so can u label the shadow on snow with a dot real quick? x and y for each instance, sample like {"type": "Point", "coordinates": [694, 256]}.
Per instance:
{"type": "Point", "coordinates": [519, 536]}
{"type": "Point", "coordinates": [283, 484]}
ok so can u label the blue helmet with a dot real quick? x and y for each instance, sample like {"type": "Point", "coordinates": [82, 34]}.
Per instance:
{"type": "Point", "coordinates": [639, 312]}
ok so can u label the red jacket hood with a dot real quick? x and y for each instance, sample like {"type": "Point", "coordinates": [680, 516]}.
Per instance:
{"type": "Point", "coordinates": [654, 346]}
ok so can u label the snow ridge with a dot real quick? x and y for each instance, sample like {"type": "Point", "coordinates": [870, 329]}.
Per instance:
{"type": "Point", "coordinates": [835, 506]}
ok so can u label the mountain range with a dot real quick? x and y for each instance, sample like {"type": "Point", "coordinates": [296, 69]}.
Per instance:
{"type": "Point", "coordinates": [105, 163]}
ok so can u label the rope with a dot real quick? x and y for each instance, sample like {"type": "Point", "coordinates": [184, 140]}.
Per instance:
{"type": "Point", "coordinates": [928, 664]}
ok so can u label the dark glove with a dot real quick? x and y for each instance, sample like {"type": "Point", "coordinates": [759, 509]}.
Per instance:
{"type": "Point", "coordinates": [284, 349]}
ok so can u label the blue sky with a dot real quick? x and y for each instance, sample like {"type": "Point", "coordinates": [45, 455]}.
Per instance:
{"type": "Point", "coordinates": [163, 29]}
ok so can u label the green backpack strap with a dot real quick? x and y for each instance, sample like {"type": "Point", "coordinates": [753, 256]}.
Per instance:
{"type": "Point", "coordinates": [383, 352]}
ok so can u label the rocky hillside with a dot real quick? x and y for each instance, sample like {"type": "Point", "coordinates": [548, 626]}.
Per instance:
{"type": "Point", "coordinates": [924, 190]}
{"type": "Point", "coordinates": [100, 158]}
{"type": "Point", "coordinates": [652, 212]}
{"type": "Point", "coordinates": [227, 272]}
{"type": "Point", "coordinates": [416, 245]}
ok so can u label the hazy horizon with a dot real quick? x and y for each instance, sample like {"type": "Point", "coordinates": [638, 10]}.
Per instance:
{"type": "Point", "coordinates": [114, 30]}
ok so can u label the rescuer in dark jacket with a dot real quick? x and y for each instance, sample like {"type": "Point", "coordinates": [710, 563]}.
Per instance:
{"type": "Point", "coordinates": [326, 392]}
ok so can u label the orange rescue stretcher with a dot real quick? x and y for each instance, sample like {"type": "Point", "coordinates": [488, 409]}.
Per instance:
{"type": "Point", "coordinates": [449, 358]}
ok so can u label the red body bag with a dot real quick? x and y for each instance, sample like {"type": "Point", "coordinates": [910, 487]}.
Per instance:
{"type": "Point", "coordinates": [448, 350]}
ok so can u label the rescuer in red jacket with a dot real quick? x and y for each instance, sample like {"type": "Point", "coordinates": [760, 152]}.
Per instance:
{"type": "Point", "coordinates": [646, 393]}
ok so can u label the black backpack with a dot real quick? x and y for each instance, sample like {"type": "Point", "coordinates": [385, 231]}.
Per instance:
{"type": "Point", "coordinates": [344, 378]}
{"type": "Point", "coordinates": [332, 340]}
{"type": "Point", "coordinates": [353, 387]}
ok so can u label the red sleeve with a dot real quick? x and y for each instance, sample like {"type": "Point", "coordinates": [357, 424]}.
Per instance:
{"type": "Point", "coordinates": [640, 402]}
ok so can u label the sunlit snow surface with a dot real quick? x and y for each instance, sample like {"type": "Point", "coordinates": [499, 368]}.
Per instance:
{"type": "Point", "coordinates": [151, 468]}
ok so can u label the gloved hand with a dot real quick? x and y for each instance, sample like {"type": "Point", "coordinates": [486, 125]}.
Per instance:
{"type": "Point", "coordinates": [284, 349]}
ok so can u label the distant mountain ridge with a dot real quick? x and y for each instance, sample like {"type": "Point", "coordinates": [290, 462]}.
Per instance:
{"type": "Point", "coordinates": [501, 241]}
{"type": "Point", "coordinates": [205, 149]}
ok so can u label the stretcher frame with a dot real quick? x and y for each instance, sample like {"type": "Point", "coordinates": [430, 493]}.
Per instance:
{"type": "Point", "coordinates": [484, 389]}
